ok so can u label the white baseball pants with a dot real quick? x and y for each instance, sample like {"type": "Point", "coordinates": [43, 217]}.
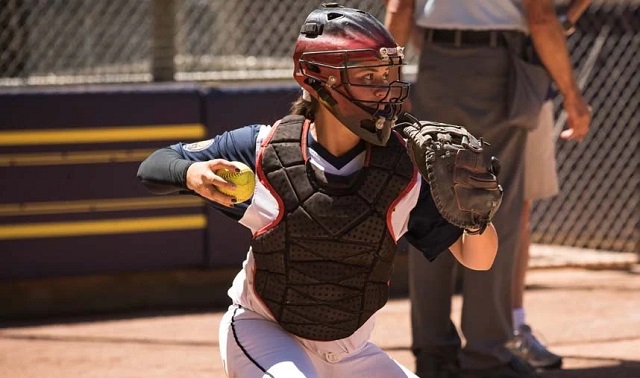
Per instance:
{"type": "Point", "coordinates": [252, 346]}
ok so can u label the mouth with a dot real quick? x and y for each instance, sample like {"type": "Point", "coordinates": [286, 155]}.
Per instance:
{"type": "Point", "coordinates": [387, 111]}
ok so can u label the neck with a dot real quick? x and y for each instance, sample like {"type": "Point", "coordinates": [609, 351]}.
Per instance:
{"type": "Point", "coordinates": [332, 134]}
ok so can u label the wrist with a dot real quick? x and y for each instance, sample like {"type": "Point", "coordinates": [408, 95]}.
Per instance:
{"type": "Point", "coordinates": [186, 183]}
{"type": "Point", "coordinates": [572, 98]}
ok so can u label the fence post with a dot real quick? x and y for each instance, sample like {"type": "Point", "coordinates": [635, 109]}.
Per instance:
{"type": "Point", "coordinates": [13, 50]}
{"type": "Point", "coordinates": [163, 45]}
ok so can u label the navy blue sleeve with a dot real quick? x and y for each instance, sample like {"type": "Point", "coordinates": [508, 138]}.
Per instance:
{"type": "Point", "coordinates": [428, 231]}
{"type": "Point", "coordinates": [165, 170]}
{"type": "Point", "coordinates": [235, 145]}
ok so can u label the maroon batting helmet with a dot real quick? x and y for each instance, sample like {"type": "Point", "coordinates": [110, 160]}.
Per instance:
{"type": "Point", "coordinates": [335, 50]}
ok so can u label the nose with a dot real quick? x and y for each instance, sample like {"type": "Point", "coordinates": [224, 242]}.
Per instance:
{"type": "Point", "coordinates": [380, 92]}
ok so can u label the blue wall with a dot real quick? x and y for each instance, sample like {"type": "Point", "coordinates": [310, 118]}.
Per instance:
{"type": "Point", "coordinates": [70, 203]}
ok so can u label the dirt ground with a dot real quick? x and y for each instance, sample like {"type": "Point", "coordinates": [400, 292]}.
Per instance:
{"type": "Point", "coordinates": [591, 317]}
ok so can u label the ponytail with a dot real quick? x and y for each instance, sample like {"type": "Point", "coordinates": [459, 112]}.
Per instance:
{"type": "Point", "coordinates": [305, 108]}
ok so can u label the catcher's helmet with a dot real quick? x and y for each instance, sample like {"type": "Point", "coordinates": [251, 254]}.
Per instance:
{"type": "Point", "coordinates": [348, 60]}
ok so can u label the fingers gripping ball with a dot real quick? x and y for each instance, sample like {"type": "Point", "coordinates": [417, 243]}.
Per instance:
{"type": "Point", "coordinates": [244, 180]}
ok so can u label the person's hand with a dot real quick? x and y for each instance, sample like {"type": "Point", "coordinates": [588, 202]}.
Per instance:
{"type": "Point", "coordinates": [578, 119]}
{"type": "Point", "coordinates": [201, 178]}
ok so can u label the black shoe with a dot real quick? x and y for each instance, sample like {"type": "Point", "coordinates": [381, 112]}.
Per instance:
{"type": "Point", "coordinates": [516, 368]}
{"type": "Point", "coordinates": [431, 366]}
{"type": "Point", "coordinates": [526, 346]}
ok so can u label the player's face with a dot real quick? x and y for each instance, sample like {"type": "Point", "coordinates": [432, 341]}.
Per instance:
{"type": "Point", "coordinates": [374, 84]}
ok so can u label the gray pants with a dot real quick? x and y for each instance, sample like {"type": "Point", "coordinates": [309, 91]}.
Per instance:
{"type": "Point", "coordinates": [468, 86]}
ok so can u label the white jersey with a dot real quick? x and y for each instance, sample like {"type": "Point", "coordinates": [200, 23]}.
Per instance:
{"type": "Point", "coordinates": [470, 14]}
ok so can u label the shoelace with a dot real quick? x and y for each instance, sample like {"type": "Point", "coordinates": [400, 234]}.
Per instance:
{"type": "Point", "coordinates": [532, 341]}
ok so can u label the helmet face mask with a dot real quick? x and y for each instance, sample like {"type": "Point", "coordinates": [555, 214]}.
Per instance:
{"type": "Point", "coordinates": [347, 60]}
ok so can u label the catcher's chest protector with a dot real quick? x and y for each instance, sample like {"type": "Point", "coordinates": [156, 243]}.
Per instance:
{"type": "Point", "coordinates": [323, 268]}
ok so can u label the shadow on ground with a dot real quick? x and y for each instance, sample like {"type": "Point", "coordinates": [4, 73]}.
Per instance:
{"type": "Point", "coordinates": [109, 316]}
{"type": "Point", "coordinates": [619, 369]}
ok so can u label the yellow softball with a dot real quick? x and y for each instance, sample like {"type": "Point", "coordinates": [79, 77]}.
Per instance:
{"type": "Point", "coordinates": [245, 181]}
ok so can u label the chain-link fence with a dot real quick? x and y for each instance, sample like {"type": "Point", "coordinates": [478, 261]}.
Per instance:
{"type": "Point", "coordinates": [598, 202]}
{"type": "Point", "coordinates": [83, 41]}
{"type": "Point", "coordinates": [106, 41]}
{"type": "Point", "coordinates": [74, 41]}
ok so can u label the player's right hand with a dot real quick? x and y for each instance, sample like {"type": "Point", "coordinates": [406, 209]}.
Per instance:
{"type": "Point", "coordinates": [201, 178]}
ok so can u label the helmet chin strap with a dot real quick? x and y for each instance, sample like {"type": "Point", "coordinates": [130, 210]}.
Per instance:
{"type": "Point", "coordinates": [382, 131]}
{"type": "Point", "coordinates": [382, 122]}
{"type": "Point", "coordinates": [323, 93]}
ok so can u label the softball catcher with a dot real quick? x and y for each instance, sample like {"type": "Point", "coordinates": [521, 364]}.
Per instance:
{"type": "Point", "coordinates": [336, 188]}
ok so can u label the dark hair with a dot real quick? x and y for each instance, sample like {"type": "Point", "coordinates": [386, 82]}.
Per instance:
{"type": "Point", "coordinates": [305, 108]}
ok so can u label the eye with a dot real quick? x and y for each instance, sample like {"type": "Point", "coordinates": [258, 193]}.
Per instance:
{"type": "Point", "coordinates": [368, 77]}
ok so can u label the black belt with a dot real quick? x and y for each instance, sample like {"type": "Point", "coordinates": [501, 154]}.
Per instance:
{"type": "Point", "coordinates": [458, 38]}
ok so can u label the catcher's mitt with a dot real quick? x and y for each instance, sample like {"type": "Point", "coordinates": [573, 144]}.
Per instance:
{"type": "Point", "coordinates": [464, 186]}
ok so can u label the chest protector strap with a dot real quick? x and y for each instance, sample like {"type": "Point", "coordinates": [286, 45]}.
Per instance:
{"type": "Point", "coordinates": [324, 268]}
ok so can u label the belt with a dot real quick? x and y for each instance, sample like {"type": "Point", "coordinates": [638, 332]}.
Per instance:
{"type": "Point", "coordinates": [458, 38]}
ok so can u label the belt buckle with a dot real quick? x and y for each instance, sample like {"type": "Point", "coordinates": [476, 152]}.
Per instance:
{"type": "Point", "coordinates": [457, 38]}
{"type": "Point", "coordinates": [493, 38]}
{"type": "Point", "coordinates": [430, 35]}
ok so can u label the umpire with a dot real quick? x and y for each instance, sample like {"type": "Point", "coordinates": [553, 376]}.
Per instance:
{"type": "Point", "coordinates": [468, 57]}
